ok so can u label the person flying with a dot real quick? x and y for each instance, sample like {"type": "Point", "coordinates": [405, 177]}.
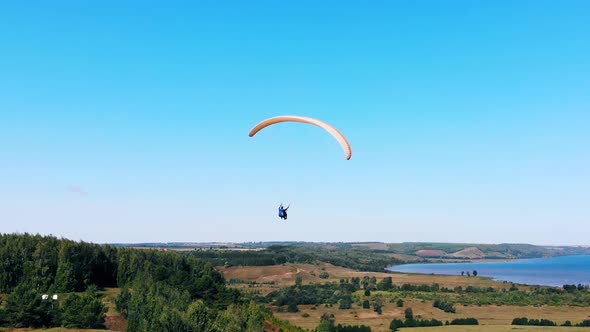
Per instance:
{"type": "Point", "coordinates": [283, 212]}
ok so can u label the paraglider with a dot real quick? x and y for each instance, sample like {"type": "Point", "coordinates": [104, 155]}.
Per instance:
{"type": "Point", "coordinates": [283, 211]}
{"type": "Point", "coordinates": [342, 140]}
{"type": "Point", "coordinates": [302, 119]}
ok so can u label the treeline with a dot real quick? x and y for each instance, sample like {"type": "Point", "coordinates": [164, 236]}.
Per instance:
{"type": "Point", "coordinates": [410, 321]}
{"type": "Point", "coordinates": [539, 296]}
{"type": "Point", "coordinates": [32, 266]}
{"type": "Point", "coordinates": [355, 258]}
{"type": "Point", "coordinates": [327, 324]}
{"type": "Point", "coordinates": [240, 258]}
{"type": "Point", "coordinates": [160, 291]}
{"type": "Point", "coordinates": [570, 295]}
{"type": "Point", "coordinates": [547, 322]}
{"type": "Point", "coordinates": [55, 265]}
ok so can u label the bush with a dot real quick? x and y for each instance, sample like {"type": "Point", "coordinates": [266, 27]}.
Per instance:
{"type": "Point", "coordinates": [352, 328]}
{"type": "Point", "coordinates": [465, 321]}
{"type": "Point", "coordinates": [366, 304]}
{"type": "Point", "coordinates": [520, 321]}
{"type": "Point", "coordinates": [535, 322]}
{"type": "Point", "coordinates": [408, 313]}
{"type": "Point", "coordinates": [292, 307]}
{"type": "Point", "coordinates": [400, 303]}
{"type": "Point", "coordinates": [444, 306]}
{"type": "Point", "coordinates": [411, 322]}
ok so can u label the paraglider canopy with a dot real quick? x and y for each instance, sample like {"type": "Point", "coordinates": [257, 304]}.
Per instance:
{"type": "Point", "coordinates": [303, 119]}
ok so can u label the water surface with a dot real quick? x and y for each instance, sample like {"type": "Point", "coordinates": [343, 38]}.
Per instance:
{"type": "Point", "coordinates": [554, 271]}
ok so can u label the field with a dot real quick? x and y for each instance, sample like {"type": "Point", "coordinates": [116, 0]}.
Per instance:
{"type": "Point", "coordinates": [487, 315]}
{"type": "Point", "coordinates": [493, 318]}
{"type": "Point", "coordinates": [284, 275]}
{"type": "Point", "coordinates": [492, 328]}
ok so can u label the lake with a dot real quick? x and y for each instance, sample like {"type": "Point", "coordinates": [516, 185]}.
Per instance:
{"type": "Point", "coordinates": [554, 271]}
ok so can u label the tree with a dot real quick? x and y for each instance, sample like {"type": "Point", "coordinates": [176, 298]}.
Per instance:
{"type": "Point", "coordinates": [520, 321]}
{"type": "Point", "coordinates": [365, 282]}
{"type": "Point", "coordinates": [475, 273]}
{"type": "Point", "coordinates": [464, 321]}
{"type": "Point", "coordinates": [408, 313]}
{"type": "Point", "coordinates": [326, 323]}
{"type": "Point", "coordinates": [356, 281]}
{"type": "Point", "coordinates": [400, 303]}
{"type": "Point", "coordinates": [255, 318]}
{"type": "Point", "coordinates": [373, 282]}
{"type": "Point", "coordinates": [366, 304]}
{"type": "Point", "coordinates": [228, 320]}
{"type": "Point", "coordinates": [395, 324]}
{"type": "Point", "coordinates": [122, 301]}
{"type": "Point", "coordinates": [25, 308]}
{"type": "Point", "coordinates": [292, 306]}
{"type": "Point", "coordinates": [65, 280]}
{"type": "Point", "coordinates": [367, 292]}
{"type": "Point", "coordinates": [462, 273]}
{"type": "Point", "coordinates": [345, 302]}
{"type": "Point", "coordinates": [84, 311]}
{"type": "Point", "coordinates": [385, 284]}
{"type": "Point", "coordinates": [378, 304]}
{"type": "Point", "coordinates": [198, 316]}
{"type": "Point", "coordinates": [298, 280]}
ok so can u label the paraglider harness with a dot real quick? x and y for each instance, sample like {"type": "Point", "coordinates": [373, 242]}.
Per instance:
{"type": "Point", "coordinates": [283, 212]}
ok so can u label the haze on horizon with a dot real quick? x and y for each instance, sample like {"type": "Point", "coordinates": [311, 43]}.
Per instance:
{"type": "Point", "coordinates": [128, 122]}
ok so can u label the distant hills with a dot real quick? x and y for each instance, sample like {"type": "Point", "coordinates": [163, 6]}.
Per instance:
{"type": "Point", "coordinates": [406, 251]}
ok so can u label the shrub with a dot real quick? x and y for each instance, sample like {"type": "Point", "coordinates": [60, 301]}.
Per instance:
{"type": "Point", "coordinates": [408, 313]}
{"type": "Point", "coordinates": [366, 304]}
{"type": "Point", "coordinates": [465, 321]}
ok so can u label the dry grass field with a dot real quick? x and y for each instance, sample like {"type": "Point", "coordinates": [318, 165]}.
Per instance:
{"type": "Point", "coordinates": [495, 328]}
{"type": "Point", "coordinates": [493, 318]}
{"type": "Point", "coordinates": [284, 275]}
{"type": "Point", "coordinates": [487, 315]}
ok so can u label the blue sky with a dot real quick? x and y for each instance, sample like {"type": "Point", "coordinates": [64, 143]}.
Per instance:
{"type": "Point", "coordinates": [128, 122]}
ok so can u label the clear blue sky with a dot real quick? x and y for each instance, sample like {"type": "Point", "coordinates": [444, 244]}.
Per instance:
{"type": "Point", "coordinates": [128, 121]}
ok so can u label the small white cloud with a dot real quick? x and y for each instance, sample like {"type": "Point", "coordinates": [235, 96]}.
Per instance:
{"type": "Point", "coordinates": [77, 190]}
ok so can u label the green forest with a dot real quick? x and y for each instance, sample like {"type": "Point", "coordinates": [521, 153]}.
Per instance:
{"type": "Point", "coordinates": [161, 291]}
